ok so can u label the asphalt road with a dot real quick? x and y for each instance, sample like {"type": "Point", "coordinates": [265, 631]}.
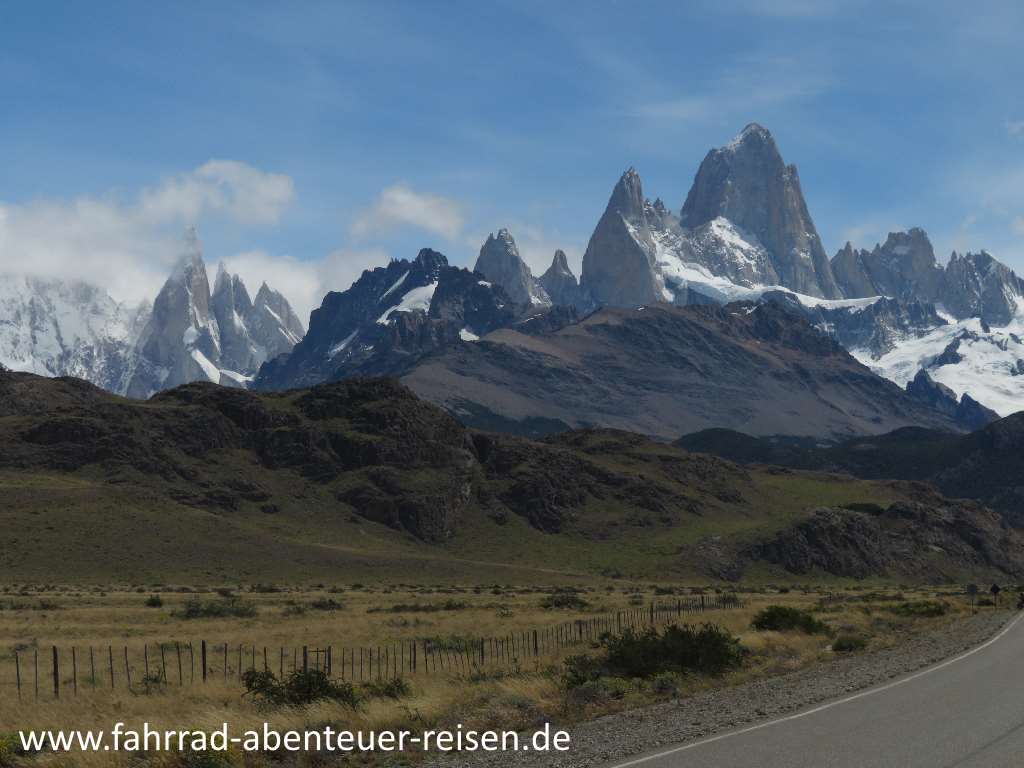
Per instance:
{"type": "Point", "coordinates": [966, 712]}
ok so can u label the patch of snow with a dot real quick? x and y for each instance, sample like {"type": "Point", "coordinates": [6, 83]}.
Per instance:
{"type": "Point", "coordinates": [236, 376]}
{"type": "Point", "coordinates": [391, 290]}
{"type": "Point", "coordinates": [212, 371]}
{"type": "Point", "coordinates": [340, 346]}
{"type": "Point", "coordinates": [416, 299]}
{"type": "Point", "coordinates": [273, 314]}
{"type": "Point", "coordinates": [484, 283]}
{"type": "Point", "coordinates": [190, 336]}
{"type": "Point", "coordinates": [467, 335]}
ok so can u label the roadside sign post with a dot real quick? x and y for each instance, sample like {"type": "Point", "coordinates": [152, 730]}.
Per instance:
{"type": "Point", "coordinates": [972, 593]}
{"type": "Point", "coordinates": [995, 589]}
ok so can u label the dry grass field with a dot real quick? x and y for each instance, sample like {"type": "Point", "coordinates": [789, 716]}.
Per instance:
{"type": "Point", "coordinates": [510, 695]}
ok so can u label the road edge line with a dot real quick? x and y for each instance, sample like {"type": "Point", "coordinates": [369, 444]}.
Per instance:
{"type": "Point", "coordinates": [827, 705]}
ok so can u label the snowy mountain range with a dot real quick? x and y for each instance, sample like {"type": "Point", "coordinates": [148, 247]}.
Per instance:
{"type": "Point", "coordinates": [58, 328]}
{"type": "Point", "coordinates": [743, 234]}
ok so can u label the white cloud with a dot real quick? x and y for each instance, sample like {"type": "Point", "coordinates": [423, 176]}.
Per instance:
{"type": "Point", "coordinates": [1015, 127]}
{"type": "Point", "coordinates": [304, 283]}
{"type": "Point", "coordinates": [237, 190]}
{"type": "Point", "coordinates": [400, 207]}
{"type": "Point", "coordinates": [127, 246]}
{"type": "Point", "coordinates": [1018, 225]}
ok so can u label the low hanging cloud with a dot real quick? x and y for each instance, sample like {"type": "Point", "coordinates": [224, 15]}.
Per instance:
{"type": "Point", "coordinates": [127, 245]}
{"type": "Point", "coordinates": [304, 283]}
{"type": "Point", "coordinates": [401, 207]}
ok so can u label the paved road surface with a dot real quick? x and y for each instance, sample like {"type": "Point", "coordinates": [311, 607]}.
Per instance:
{"type": "Point", "coordinates": [966, 712]}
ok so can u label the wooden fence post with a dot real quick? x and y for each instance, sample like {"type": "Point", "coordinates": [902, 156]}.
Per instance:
{"type": "Point", "coordinates": [56, 674]}
{"type": "Point", "coordinates": [74, 670]}
{"type": "Point", "coordinates": [17, 673]}
{"type": "Point", "coordinates": [127, 668]}
{"type": "Point", "coordinates": [202, 654]}
{"type": "Point", "coordinates": [177, 652]}
{"type": "Point", "coordinates": [92, 667]}
{"type": "Point", "coordinates": [110, 657]}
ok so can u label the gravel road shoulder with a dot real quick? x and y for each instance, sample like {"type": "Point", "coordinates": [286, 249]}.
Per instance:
{"type": "Point", "coordinates": [630, 733]}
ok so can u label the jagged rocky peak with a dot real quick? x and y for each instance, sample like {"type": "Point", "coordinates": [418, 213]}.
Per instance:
{"type": "Point", "coordinates": [391, 317]}
{"type": "Point", "coordinates": [977, 285]}
{"type": "Point", "coordinates": [194, 334]}
{"type": "Point", "coordinates": [747, 183]}
{"type": "Point", "coordinates": [628, 196]}
{"type": "Point", "coordinates": [967, 412]}
{"type": "Point", "coordinates": [619, 265]}
{"type": "Point", "coordinates": [500, 262]}
{"type": "Point", "coordinates": [903, 267]}
{"type": "Point", "coordinates": [561, 284]}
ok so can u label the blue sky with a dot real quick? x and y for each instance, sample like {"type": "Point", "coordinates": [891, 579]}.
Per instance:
{"type": "Point", "coordinates": [344, 133]}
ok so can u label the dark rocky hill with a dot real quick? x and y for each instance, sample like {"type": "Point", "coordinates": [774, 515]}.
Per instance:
{"type": "Point", "coordinates": [361, 476]}
{"type": "Point", "coordinates": [986, 465]}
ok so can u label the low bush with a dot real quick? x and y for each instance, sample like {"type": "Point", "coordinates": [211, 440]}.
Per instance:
{"type": "Point", "coordinates": [154, 601]}
{"type": "Point", "coordinates": [298, 689]}
{"type": "Point", "coordinates": [564, 601]}
{"type": "Point", "coordinates": [707, 649]}
{"type": "Point", "coordinates": [849, 644]}
{"type": "Point", "coordinates": [218, 609]}
{"type": "Point", "coordinates": [447, 605]}
{"type": "Point", "coordinates": [783, 618]}
{"type": "Point", "coordinates": [921, 609]}
{"type": "Point", "coordinates": [327, 604]}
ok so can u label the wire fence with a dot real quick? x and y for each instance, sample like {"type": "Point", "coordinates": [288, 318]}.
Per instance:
{"type": "Point", "coordinates": [56, 672]}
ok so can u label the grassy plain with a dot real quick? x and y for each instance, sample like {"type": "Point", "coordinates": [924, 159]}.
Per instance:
{"type": "Point", "coordinates": [35, 617]}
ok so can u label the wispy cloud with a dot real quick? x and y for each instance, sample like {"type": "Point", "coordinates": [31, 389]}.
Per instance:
{"type": "Point", "coordinates": [305, 283]}
{"type": "Point", "coordinates": [127, 245]}
{"type": "Point", "coordinates": [1015, 127]}
{"type": "Point", "coordinates": [401, 207]}
{"type": "Point", "coordinates": [751, 84]}
{"type": "Point", "coordinates": [228, 187]}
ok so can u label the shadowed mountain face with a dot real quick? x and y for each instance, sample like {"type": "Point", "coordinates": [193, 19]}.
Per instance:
{"type": "Point", "coordinates": [390, 318]}
{"type": "Point", "coordinates": [362, 473]}
{"type": "Point", "coordinates": [665, 371]}
{"type": "Point", "coordinates": [985, 465]}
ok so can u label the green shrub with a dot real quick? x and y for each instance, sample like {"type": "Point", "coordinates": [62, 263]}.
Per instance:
{"type": "Point", "coordinates": [581, 669]}
{"type": "Point", "coordinates": [154, 601]}
{"type": "Point", "coordinates": [326, 604]}
{"type": "Point", "coordinates": [564, 601]}
{"type": "Point", "coordinates": [447, 605]}
{"type": "Point", "coordinates": [783, 618]}
{"type": "Point", "coordinates": [298, 689]}
{"type": "Point", "coordinates": [849, 644]}
{"type": "Point", "coordinates": [707, 649]}
{"type": "Point", "coordinates": [918, 609]}
{"type": "Point", "coordinates": [232, 607]}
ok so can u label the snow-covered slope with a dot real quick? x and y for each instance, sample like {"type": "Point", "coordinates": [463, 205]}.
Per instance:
{"type": "Point", "coordinates": [968, 356]}
{"type": "Point", "coordinates": [56, 328]}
